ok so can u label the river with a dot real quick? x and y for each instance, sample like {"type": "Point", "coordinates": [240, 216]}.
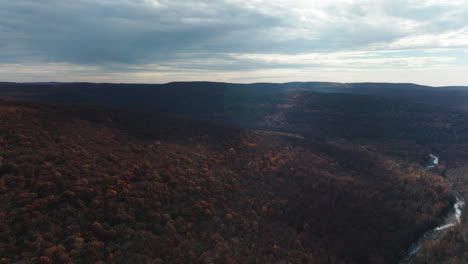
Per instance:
{"type": "Point", "coordinates": [452, 219]}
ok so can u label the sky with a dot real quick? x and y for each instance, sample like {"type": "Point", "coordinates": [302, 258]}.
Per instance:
{"type": "Point", "coordinates": [243, 41]}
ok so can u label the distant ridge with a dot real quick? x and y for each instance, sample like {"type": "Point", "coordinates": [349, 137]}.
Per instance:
{"type": "Point", "coordinates": [310, 83]}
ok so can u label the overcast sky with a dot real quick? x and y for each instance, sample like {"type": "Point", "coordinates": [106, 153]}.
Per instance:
{"type": "Point", "coordinates": [157, 41]}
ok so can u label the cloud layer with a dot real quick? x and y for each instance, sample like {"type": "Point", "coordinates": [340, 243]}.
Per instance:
{"type": "Point", "coordinates": [169, 40]}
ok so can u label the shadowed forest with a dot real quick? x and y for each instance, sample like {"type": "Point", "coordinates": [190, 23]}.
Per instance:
{"type": "Point", "coordinates": [269, 174]}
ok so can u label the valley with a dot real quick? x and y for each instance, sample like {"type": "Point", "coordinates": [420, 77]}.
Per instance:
{"type": "Point", "coordinates": [261, 176]}
{"type": "Point", "coordinates": [233, 132]}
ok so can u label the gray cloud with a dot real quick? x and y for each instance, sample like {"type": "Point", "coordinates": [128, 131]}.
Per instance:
{"type": "Point", "coordinates": [123, 31]}
{"type": "Point", "coordinates": [118, 36]}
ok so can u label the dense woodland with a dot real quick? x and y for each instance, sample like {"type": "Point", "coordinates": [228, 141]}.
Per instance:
{"type": "Point", "coordinates": [377, 111]}
{"type": "Point", "coordinates": [377, 118]}
{"type": "Point", "coordinates": [451, 247]}
{"type": "Point", "coordinates": [86, 184]}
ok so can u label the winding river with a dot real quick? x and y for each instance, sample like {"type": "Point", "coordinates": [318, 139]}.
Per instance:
{"type": "Point", "coordinates": [451, 220]}
{"type": "Point", "coordinates": [434, 162]}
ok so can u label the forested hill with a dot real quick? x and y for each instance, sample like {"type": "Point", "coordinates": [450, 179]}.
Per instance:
{"type": "Point", "coordinates": [375, 118]}
{"type": "Point", "coordinates": [84, 184]}
{"type": "Point", "coordinates": [163, 96]}
{"type": "Point", "coordinates": [363, 110]}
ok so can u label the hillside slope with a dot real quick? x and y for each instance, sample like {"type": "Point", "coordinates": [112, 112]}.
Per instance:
{"type": "Point", "coordinates": [235, 104]}
{"type": "Point", "coordinates": [82, 184]}
{"type": "Point", "coordinates": [377, 118]}
{"type": "Point", "coordinates": [361, 110]}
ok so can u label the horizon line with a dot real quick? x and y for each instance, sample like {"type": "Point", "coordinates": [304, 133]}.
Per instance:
{"type": "Point", "coordinates": [225, 82]}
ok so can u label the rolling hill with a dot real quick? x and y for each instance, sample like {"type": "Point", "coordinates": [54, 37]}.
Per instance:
{"type": "Point", "coordinates": [83, 184]}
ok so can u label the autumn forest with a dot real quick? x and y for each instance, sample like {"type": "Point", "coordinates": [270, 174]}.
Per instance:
{"type": "Point", "coordinates": [291, 175]}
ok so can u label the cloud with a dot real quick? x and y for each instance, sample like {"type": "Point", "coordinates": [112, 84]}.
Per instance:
{"type": "Point", "coordinates": [356, 60]}
{"type": "Point", "coordinates": [451, 39]}
{"type": "Point", "coordinates": [166, 37]}
{"type": "Point", "coordinates": [121, 31]}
